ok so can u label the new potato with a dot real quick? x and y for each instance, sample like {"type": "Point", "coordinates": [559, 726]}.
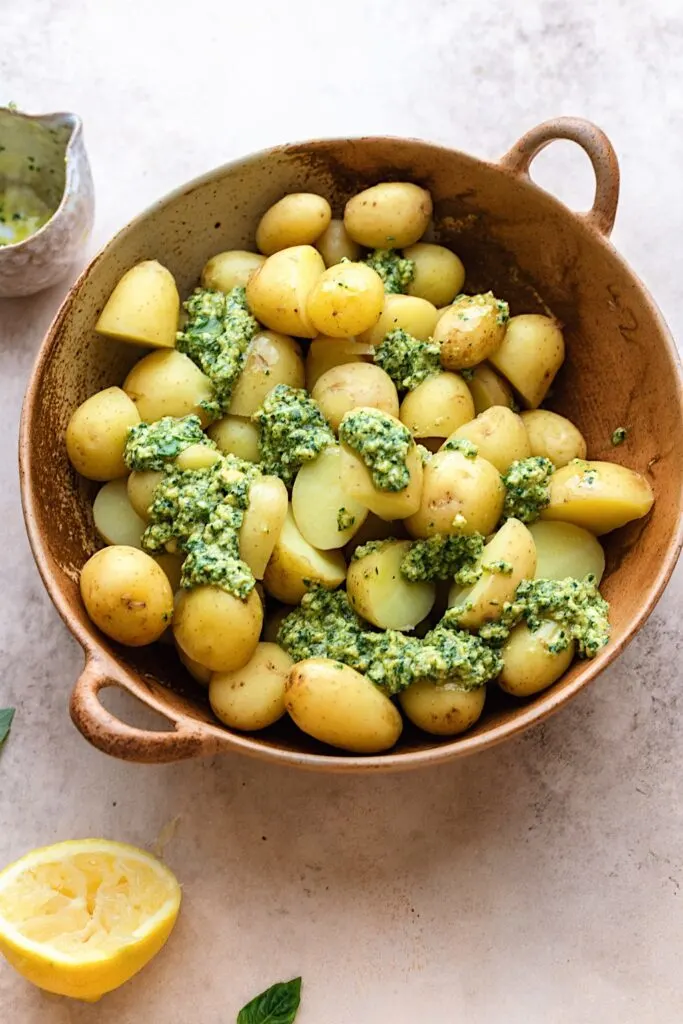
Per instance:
{"type": "Point", "coordinates": [231, 269]}
{"type": "Point", "coordinates": [277, 292]}
{"type": "Point", "coordinates": [442, 709]}
{"type": "Point", "coordinates": [351, 386]}
{"type": "Point", "coordinates": [197, 456]}
{"type": "Point", "coordinates": [391, 215]}
{"type": "Point", "coordinates": [319, 498]}
{"type": "Point", "coordinates": [600, 496]}
{"type": "Point", "coordinates": [459, 495]}
{"type": "Point", "coordinates": [97, 432]}
{"type": "Point", "coordinates": [141, 485]}
{"type": "Point", "coordinates": [263, 520]}
{"type": "Point", "coordinates": [439, 274]}
{"type": "Point", "coordinates": [237, 436]}
{"type": "Point", "coordinates": [297, 219]}
{"type": "Point", "coordinates": [528, 665]}
{"type": "Point", "coordinates": [471, 330]}
{"type": "Point", "coordinates": [488, 388]}
{"type": "Point", "coordinates": [217, 629]}
{"type": "Point", "coordinates": [530, 355]}
{"type": "Point", "coordinates": [168, 383]}
{"type": "Point", "coordinates": [295, 564]}
{"type": "Point", "coordinates": [402, 312]}
{"type": "Point", "coordinates": [143, 308]}
{"type": "Point", "coordinates": [116, 520]}
{"type": "Point", "coordinates": [271, 359]}
{"type": "Point", "coordinates": [325, 353]}
{"type": "Point", "coordinates": [359, 485]}
{"type": "Point", "coordinates": [553, 437]}
{"type": "Point", "coordinates": [346, 300]}
{"type": "Point", "coordinates": [252, 697]}
{"type": "Point", "coordinates": [437, 406]}
{"type": "Point", "coordinates": [127, 595]}
{"type": "Point", "coordinates": [564, 550]}
{"type": "Point", "coordinates": [340, 707]}
{"type": "Point", "coordinates": [335, 244]}
{"type": "Point", "coordinates": [499, 434]}
{"type": "Point", "coordinates": [379, 592]}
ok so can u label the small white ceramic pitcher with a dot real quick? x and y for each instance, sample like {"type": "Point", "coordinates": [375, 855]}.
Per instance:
{"type": "Point", "coordinates": [45, 154]}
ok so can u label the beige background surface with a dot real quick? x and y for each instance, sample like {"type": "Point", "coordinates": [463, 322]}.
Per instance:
{"type": "Point", "coordinates": [540, 882]}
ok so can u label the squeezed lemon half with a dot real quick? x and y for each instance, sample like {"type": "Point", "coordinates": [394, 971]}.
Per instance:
{"type": "Point", "coordinates": [82, 917]}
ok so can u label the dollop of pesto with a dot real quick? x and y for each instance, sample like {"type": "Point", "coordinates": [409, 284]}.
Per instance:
{"type": "Point", "coordinates": [460, 444]}
{"type": "Point", "coordinates": [407, 360]}
{"type": "Point", "coordinates": [527, 486]}
{"type": "Point", "coordinates": [425, 454]}
{"type": "Point", "coordinates": [619, 436]}
{"type": "Point", "coordinates": [382, 443]}
{"type": "Point", "coordinates": [325, 626]}
{"type": "Point", "coordinates": [152, 445]}
{"type": "Point", "coordinates": [292, 430]}
{"type": "Point", "coordinates": [395, 270]}
{"type": "Point", "coordinates": [345, 519]}
{"type": "Point", "coordinates": [499, 567]}
{"type": "Point", "coordinates": [443, 557]}
{"type": "Point", "coordinates": [370, 547]}
{"type": "Point", "coordinates": [216, 337]}
{"type": "Point", "coordinates": [202, 510]}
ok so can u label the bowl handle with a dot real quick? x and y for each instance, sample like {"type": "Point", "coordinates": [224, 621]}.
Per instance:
{"type": "Point", "coordinates": [112, 736]}
{"type": "Point", "coordinates": [594, 143]}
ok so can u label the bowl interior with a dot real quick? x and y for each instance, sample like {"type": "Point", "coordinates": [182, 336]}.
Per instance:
{"type": "Point", "coordinates": [514, 239]}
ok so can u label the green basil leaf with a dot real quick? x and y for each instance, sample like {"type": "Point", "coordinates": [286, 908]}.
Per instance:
{"type": "Point", "coordinates": [277, 1005]}
{"type": "Point", "coordinates": [6, 716]}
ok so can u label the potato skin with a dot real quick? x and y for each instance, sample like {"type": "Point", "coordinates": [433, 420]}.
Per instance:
{"type": "Point", "coordinates": [455, 485]}
{"type": "Point", "coordinates": [252, 697]}
{"type": "Point", "coordinates": [143, 308]}
{"type": "Point", "coordinates": [600, 496]}
{"type": "Point", "coordinates": [554, 437]}
{"type": "Point", "coordinates": [381, 595]}
{"type": "Point", "coordinates": [238, 436]}
{"type": "Point", "coordinates": [271, 359]}
{"type": "Point", "coordinates": [168, 383]}
{"type": "Point", "coordinates": [340, 707]}
{"type": "Point", "coordinates": [405, 312]}
{"type": "Point", "coordinates": [294, 562]}
{"type": "Point", "coordinates": [127, 595]}
{"type": "Point", "coordinates": [471, 330]}
{"type": "Point", "coordinates": [318, 498]}
{"type": "Point", "coordinates": [231, 269]}
{"type": "Point", "coordinates": [335, 244]}
{"type": "Point", "coordinates": [262, 523]}
{"type": "Point", "coordinates": [346, 300]}
{"type": "Point", "coordinates": [564, 550]}
{"type": "Point", "coordinates": [439, 274]}
{"type": "Point", "coordinates": [528, 665]}
{"type": "Point", "coordinates": [277, 292]}
{"type": "Point", "coordinates": [437, 406]}
{"type": "Point", "coordinates": [352, 386]}
{"type": "Point", "coordinates": [141, 485]}
{"type": "Point", "coordinates": [442, 710]}
{"type": "Point", "coordinates": [530, 355]}
{"type": "Point", "coordinates": [299, 218]}
{"type": "Point", "coordinates": [499, 434]}
{"type": "Point", "coordinates": [390, 215]}
{"type": "Point", "coordinates": [96, 434]}
{"type": "Point", "coordinates": [216, 628]}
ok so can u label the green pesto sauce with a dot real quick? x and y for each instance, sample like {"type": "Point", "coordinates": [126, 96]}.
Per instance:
{"type": "Point", "coordinates": [292, 430]}
{"type": "Point", "coordinates": [527, 486]}
{"type": "Point", "coordinates": [462, 445]}
{"type": "Point", "coordinates": [407, 360]}
{"type": "Point", "coordinates": [619, 436]}
{"type": "Point", "coordinates": [202, 510]}
{"type": "Point", "coordinates": [152, 445]}
{"type": "Point", "coordinates": [396, 271]}
{"type": "Point", "coordinates": [325, 626]}
{"type": "Point", "coordinates": [425, 454]}
{"type": "Point", "coordinates": [469, 307]}
{"type": "Point", "coordinates": [499, 567]}
{"type": "Point", "coordinates": [216, 337]}
{"type": "Point", "coordinates": [382, 443]}
{"type": "Point", "coordinates": [345, 519]}
{"type": "Point", "coordinates": [22, 212]}
{"type": "Point", "coordinates": [443, 557]}
{"type": "Point", "coordinates": [370, 547]}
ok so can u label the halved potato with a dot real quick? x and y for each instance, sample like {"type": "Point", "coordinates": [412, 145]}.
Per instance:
{"type": "Point", "coordinates": [295, 564]}
{"type": "Point", "coordinates": [237, 436]}
{"type": "Point", "coordinates": [564, 550]}
{"type": "Point", "coordinates": [352, 386]}
{"type": "Point", "coordinates": [324, 513]}
{"type": "Point", "coordinates": [231, 269]}
{"type": "Point", "coordinates": [459, 495]}
{"type": "Point", "coordinates": [380, 593]}
{"type": "Point", "coordinates": [488, 388]}
{"type": "Point", "coordinates": [554, 437]}
{"type": "Point", "coordinates": [528, 664]}
{"type": "Point", "coordinates": [600, 496]}
{"type": "Point", "coordinates": [530, 355]}
{"type": "Point", "coordinates": [437, 406]}
{"type": "Point", "coordinates": [271, 359]}
{"type": "Point", "coordinates": [277, 292]}
{"type": "Point", "coordinates": [168, 383]}
{"type": "Point", "coordinates": [263, 520]}
{"type": "Point", "coordinates": [116, 520]}
{"type": "Point", "coordinates": [324, 353]}
{"type": "Point", "coordinates": [358, 484]}
{"type": "Point", "coordinates": [143, 308]}
{"type": "Point", "coordinates": [499, 434]}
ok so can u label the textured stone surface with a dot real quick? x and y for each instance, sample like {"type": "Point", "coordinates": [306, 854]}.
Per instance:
{"type": "Point", "coordinates": [538, 882]}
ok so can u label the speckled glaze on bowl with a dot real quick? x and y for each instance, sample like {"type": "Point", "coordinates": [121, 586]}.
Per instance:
{"type": "Point", "coordinates": [46, 153]}
{"type": "Point", "coordinates": [515, 238]}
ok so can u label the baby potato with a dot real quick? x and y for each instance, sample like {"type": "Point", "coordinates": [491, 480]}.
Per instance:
{"type": "Point", "coordinates": [336, 244]}
{"type": "Point", "coordinates": [442, 710]}
{"type": "Point", "coordinates": [217, 629]}
{"type": "Point", "coordinates": [406, 312]}
{"type": "Point", "coordinates": [200, 673]}
{"type": "Point", "coordinates": [295, 564]}
{"type": "Point", "coordinates": [340, 707]}
{"type": "Point", "coordinates": [439, 273]}
{"type": "Point", "coordinates": [127, 595]}
{"type": "Point", "coordinates": [297, 219]}
{"type": "Point", "coordinates": [252, 697]}
{"type": "Point", "coordinates": [564, 550]}
{"type": "Point", "coordinates": [321, 506]}
{"type": "Point", "coordinates": [271, 359]}
{"type": "Point", "coordinates": [262, 523]}
{"type": "Point", "coordinates": [553, 437]}
{"type": "Point", "coordinates": [530, 355]}
{"type": "Point", "coordinates": [471, 330]}
{"type": "Point", "coordinates": [346, 300]}
{"type": "Point", "coordinates": [600, 496]}
{"type": "Point", "coordinates": [513, 546]}
{"type": "Point", "coordinates": [390, 215]}
{"type": "Point", "coordinates": [459, 495]}
{"type": "Point", "coordinates": [236, 436]}
{"type": "Point", "coordinates": [437, 406]}
{"type": "Point", "coordinates": [141, 485]}
{"type": "Point", "coordinates": [488, 389]}
{"type": "Point", "coordinates": [358, 484]}
{"type": "Point", "coordinates": [278, 291]}
{"type": "Point", "coordinates": [499, 435]}
{"type": "Point", "coordinates": [116, 520]}
{"type": "Point", "coordinates": [382, 595]}
{"type": "Point", "coordinates": [324, 353]}
{"type": "Point", "coordinates": [231, 269]}
{"type": "Point", "coordinates": [197, 456]}
{"type": "Point", "coordinates": [143, 308]}
{"type": "Point", "coordinates": [168, 383]}
{"type": "Point", "coordinates": [528, 664]}
{"type": "Point", "coordinates": [351, 386]}
{"type": "Point", "coordinates": [97, 432]}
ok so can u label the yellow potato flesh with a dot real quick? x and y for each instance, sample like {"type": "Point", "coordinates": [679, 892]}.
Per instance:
{"type": "Point", "coordinates": [352, 386]}
{"type": "Point", "coordinates": [346, 300]}
{"type": "Point", "coordinates": [143, 308]}
{"type": "Point", "coordinates": [553, 437]}
{"type": "Point", "coordinates": [528, 665]}
{"type": "Point", "coordinates": [499, 434]}
{"type": "Point", "coordinates": [197, 456]}
{"type": "Point", "coordinates": [167, 383]}
{"type": "Point", "coordinates": [116, 520]}
{"type": "Point", "coordinates": [324, 353]}
{"type": "Point", "coordinates": [488, 388]}
{"type": "Point", "coordinates": [271, 359]}
{"type": "Point", "coordinates": [97, 432]}
{"type": "Point", "coordinates": [358, 484]}
{"type": "Point", "coordinates": [380, 593]}
{"type": "Point", "coordinates": [217, 629]}
{"type": "Point", "coordinates": [127, 595]}
{"type": "Point", "coordinates": [437, 406]}
{"type": "Point", "coordinates": [335, 244]}
{"type": "Point", "coordinates": [231, 269]}
{"type": "Point", "coordinates": [439, 274]}
{"type": "Point", "coordinates": [236, 436]}
{"type": "Point", "coordinates": [340, 707]}
{"type": "Point", "coordinates": [405, 312]}
{"type": "Point", "coordinates": [278, 291]}
{"type": "Point", "coordinates": [141, 485]}
{"type": "Point", "coordinates": [262, 523]}
{"type": "Point", "coordinates": [459, 495]}
{"type": "Point", "coordinates": [530, 355]}
{"type": "Point", "coordinates": [564, 550]}
{"type": "Point", "coordinates": [295, 563]}
{"type": "Point", "coordinates": [297, 219]}
{"type": "Point", "coordinates": [319, 500]}
{"type": "Point", "coordinates": [600, 496]}
{"type": "Point", "coordinates": [442, 710]}
{"type": "Point", "coordinates": [390, 215]}
{"type": "Point", "coordinates": [252, 697]}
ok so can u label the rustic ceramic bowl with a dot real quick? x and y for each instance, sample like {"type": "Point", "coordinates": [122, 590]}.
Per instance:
{"type": "Point", "coordinates": [515, 238]}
